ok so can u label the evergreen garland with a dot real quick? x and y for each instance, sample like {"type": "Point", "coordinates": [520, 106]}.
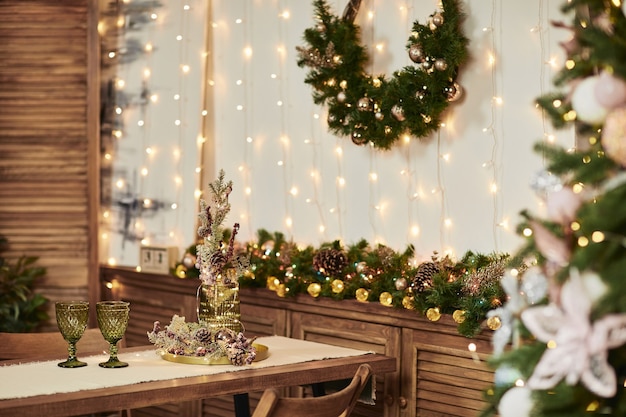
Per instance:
{"type": "Point", "coordinates": [376, 109]}
{"type": "Point", "coordinates": [466, 289]}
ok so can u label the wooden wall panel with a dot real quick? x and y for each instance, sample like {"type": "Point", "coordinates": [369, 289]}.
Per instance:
{"type": "Point", "coordinates": [49, 60]}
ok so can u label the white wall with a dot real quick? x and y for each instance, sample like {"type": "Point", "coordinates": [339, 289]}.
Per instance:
{"type": "Point", "coordinates": [419, 185]}
{"type": "Point", "coordinates": [485, 142]}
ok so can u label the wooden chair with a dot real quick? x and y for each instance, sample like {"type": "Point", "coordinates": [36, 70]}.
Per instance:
{"type": "Point", "coordinates": [48, 344]}
{"type": "Point", "coordinates": [337, 404]}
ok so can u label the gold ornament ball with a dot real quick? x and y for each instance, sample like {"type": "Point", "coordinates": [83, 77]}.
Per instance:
{"type": "Point", "coordinates": [189, 260]}
{"type": "Point", "coordinates": [181, 271]}
{"type": "Point", "coordinates": [337, 286]}
{"type": "Point", "coordinates": [614, 136]}
{"type": "Point", "coordinates": [386, 299]}
{"type": "Point", "coordinates": [494, 322]}
{"type": "Point", "coordinates": [441, 64]}
{"type": "Point", "coordinates": [341, 97]}
{"type": "Point", "coordinates": [416, 53]}
{"type": "Point", "coordinates": [272, 283]}
{"type": "Point", "coordinates": [362, 294]}
{"type": "Point", "coordinates": [281, 290]}
{"type": "Point", "coordinates": [453, 92]}
{"type": "Point", "coordinates": [314, 289]}
{"type": "Point", "coordinates": [407, 302]}
{"type": "Point", "coordinates": [401, 284]}
{"type": "Point", "coordinates": [398, 112]}
{"type": "Point", "coordinates": [358, 138]}
{"type": "Point", "coordinates": [433, 314]}
{"type": "Point", "coordinates": [458, 316]}
{"type": "Point", "coordinates": [364, 104]}
{"type": "Point", "coordinates": [438, 19]}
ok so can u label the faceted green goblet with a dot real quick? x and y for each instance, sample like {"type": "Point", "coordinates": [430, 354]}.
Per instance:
{"type": "Point", "coordinates": [72, 317]}
{"type": "Point", "coordinates": [112, 319]}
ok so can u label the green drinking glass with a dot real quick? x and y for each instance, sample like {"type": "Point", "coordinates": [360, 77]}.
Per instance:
{"type": "Point", "coordinates": [112, 320]}
{"type": "Point", "coordinates": [72, 317]}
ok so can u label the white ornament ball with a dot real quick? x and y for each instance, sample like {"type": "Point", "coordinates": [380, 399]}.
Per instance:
{"type": "Point", "coordinates": [594, 285]}
{"type": "Point", "coordinates": [585, 104]}
{"type": "Point", "coordinates": [506, 375]}
{"type": "Point", "coordinates": [610, 91]}
{"type": "Point", "coordinates": [614, 136]}
{"type": "Point", "coordinates": [516, 402]}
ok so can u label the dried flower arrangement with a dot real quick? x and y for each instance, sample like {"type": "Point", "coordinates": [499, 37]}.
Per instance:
{"type": "Point", "coordinates": [195, 339]}
{"type": "Point", "coordinates": [218, 267]}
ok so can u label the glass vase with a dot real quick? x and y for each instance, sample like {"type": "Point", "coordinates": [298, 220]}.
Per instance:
{"type": "Point", "coordinates": [218, 306]}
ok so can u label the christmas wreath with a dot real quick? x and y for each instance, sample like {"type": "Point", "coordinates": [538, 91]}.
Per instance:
{"type": "Point", "coordinates": [373, 108]}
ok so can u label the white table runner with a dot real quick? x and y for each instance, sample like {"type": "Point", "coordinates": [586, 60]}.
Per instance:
{"type": "Point", "coordinates": [42, 378]}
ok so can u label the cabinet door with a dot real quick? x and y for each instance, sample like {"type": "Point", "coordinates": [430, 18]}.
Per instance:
{"type": "Point", "coordinates": [148, 306]}
{"type": "Point", "coordinates": [443, 374]}
{"type": "Point", "coordinates": [263, 321]}
{"type": "Point", "coordinates": [357, 335]}
{"type": "Point", "coordinates": [257, 321]}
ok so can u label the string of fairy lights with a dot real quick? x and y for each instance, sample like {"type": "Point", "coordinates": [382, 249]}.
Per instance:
{"type": "Point", "coordinates": [495, 127]}
{"type": "Point", "coordinates": [327, 210]}
{"type": "Point", "coordinates": [376, 207]}
{"type": "Point", "coordinates": [154, 127]}
{"type": "Point", "coordinates": [325, 193]}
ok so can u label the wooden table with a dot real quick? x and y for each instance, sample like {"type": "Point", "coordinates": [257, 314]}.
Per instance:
{"type": "Point", "coordinates": [177, 389]}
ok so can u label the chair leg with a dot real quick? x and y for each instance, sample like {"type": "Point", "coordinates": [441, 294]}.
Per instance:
{"type": "Point", "coordinates": [318, 389]}
{"type": "Point", "coordinates": [242, 405]}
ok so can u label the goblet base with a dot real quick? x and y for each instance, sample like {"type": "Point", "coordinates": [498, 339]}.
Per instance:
{"type": "Point", "coordinates": [113, 363]}
{"type": "Point", "coordinates": [72, 363]}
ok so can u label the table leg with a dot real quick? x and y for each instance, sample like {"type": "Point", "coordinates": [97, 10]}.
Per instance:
{"type": "Point", "coordinates": [242, 405]}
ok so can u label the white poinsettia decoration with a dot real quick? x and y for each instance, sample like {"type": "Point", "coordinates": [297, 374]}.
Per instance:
{"type": "Point", "coordinates": [530, 289]}
{"type": "Point", "coordinates": [577, 347]}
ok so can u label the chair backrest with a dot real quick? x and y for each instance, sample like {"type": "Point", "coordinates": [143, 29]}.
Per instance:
{"type": "Point", "coordinates": [337, 404]}
{"type": "Point", "coordinates": [48, 345]}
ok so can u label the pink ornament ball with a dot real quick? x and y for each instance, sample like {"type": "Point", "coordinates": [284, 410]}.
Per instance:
{"type": "Point", "coordinates": [614, 136]}
{"type": "Point", "coordinates": [610, 91]}
{"type": "Point", "coordinates": [584, 102]}
{"type": "Point", "coordinates": [562, 205]}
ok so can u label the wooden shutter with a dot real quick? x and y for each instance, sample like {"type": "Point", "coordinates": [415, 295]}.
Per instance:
{"type": "Point", "coordinates": [49, 139]}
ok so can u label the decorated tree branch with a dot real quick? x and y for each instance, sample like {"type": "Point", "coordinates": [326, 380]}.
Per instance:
{"type": "Point", "coordinates": [561, 346]}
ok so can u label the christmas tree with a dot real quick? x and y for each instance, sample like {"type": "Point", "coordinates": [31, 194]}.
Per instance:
{"type": "Point", "coordinates": [561, 346]}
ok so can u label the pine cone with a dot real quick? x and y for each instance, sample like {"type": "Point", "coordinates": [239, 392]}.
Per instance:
{"type": "Point", "coordinates": [217, 262]}
{"type": "Point", "coordinates": [330, 261]}
{"type": "Point", "coordinates": [202, 335]}
{"type": "Point", "coordinates": [424, 277]}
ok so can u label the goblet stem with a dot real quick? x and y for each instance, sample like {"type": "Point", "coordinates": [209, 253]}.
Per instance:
{"type": "Point", "coordinates": [72, 361]}
{"type": "Point", "coordinates": [113, 361]}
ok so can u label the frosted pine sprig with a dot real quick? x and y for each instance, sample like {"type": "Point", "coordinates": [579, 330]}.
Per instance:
{"type": "Point", "coordinates": [214, 256]}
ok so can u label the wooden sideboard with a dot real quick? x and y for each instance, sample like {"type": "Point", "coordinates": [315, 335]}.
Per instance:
{"type": "Point", "coordinates": [440, 373]}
